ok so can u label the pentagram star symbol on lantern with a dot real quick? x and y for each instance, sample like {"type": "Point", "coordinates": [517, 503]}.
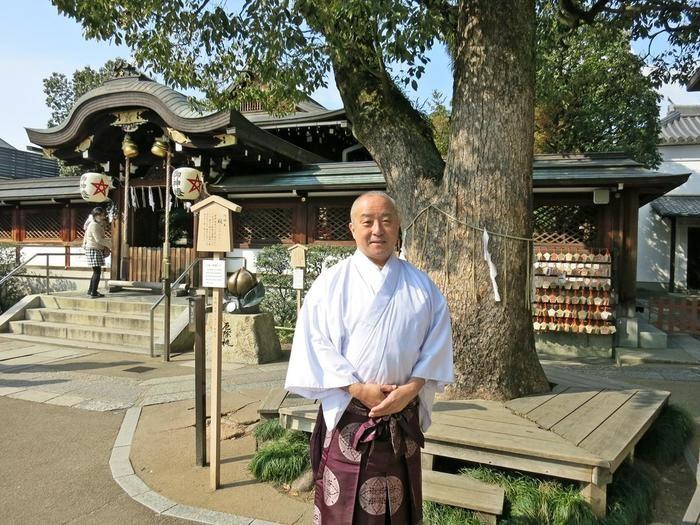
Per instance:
{"type": "Point", "coordinates": [101, 187]}
{"type": "Point", "coordinates": [196, 184]}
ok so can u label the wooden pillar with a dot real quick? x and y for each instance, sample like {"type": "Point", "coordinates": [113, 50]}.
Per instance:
{"type": "Point", "coordinates": [628, 266]}
{"type": "Point", "coordinates": [124, 251]}
{"type": "Point", "coordinates": [672, 265]}
{"type": "Point", "coordinates": [115, 268]}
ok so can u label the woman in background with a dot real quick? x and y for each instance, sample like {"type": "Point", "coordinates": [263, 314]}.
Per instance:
{"type": "Point", "coordinates": [96, 247]}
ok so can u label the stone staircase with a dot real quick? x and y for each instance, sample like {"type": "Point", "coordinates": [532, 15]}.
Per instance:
{"type": "Point", "coordinates": [108, 323]}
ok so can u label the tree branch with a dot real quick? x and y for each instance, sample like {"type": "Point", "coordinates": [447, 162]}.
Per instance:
{"type": "Point", "coordinates": [586, 15]}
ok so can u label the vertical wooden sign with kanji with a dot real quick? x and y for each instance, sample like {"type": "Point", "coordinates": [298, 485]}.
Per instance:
{"type": "Point", "coordinates": [215, 234]}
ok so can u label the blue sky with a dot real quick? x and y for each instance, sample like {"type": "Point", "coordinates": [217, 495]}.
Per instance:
{"type": "Point", "coordinates": [36, 41]}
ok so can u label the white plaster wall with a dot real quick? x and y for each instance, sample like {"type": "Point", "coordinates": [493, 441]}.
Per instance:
{"type": "Point", "coordinates": [77, 256]}
{"type": "Point", "coordinates": [654, 235]}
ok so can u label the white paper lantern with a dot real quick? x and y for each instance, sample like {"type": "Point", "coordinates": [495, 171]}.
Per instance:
{"type": "Point", "coordinates": [94, 187]}
{"type": "Point", "coordinates": [187, 183]}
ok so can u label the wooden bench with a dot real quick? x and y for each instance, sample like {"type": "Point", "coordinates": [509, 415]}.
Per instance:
{"type": "Point", "coordinates": [277, 398]}
{"type": "Point", "coordinates": [485, 500]}
{"type": "Point", "coordinates": [576, 433]}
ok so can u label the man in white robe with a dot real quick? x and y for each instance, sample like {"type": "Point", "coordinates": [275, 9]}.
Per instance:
{"type": "Point", "coordinates": [373, 344]}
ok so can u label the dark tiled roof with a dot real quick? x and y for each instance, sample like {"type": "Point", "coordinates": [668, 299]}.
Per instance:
{"type": "Point", "coordinates": [40, 189]}
{"type": "Point", "coordinates": [677, 206]}
{"type": "Point", "coordinates": [548, 171]}
{"type": "Point", "coordinates": [7, 145]}
{"type": "Point", "coordinates": [18, 164]}
{"type": "Point", "coordinates": [681, 125]}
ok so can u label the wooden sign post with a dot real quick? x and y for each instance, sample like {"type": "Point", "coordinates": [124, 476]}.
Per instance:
{"type": "Point", "coordinates": [298, 263]}
{"type": "Point", "coordinates": [215, 234]}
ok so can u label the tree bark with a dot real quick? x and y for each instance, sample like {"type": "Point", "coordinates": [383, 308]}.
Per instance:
{"type": "Point", "coordinates": [487, 182]}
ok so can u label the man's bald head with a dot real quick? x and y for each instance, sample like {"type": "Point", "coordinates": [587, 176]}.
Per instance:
{"type": "Point", "coordinates": [375, 225]}
{"type": "Point", "coordinates": [373, 195]}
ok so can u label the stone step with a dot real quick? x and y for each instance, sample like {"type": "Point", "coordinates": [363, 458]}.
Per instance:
{"type": "Point", "coordinates": [99, 320]}
{"type": "Point", "coordinates": [90, 345]}
{"type": "Point", "coordinates": [82, 334]}
{"type": "Point", "coordinates": [109, 305]}
{"type": "Point", "coordinates": [651, 336]}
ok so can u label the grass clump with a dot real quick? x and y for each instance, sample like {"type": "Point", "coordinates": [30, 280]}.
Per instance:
{"type": "Point", "coordinates": [631, 495]}
{"type": "Point", "coordinates": [268, 430]}
{"type": "Point", "coordinates": [437, 514]}
{"type": "Point", "coordinates": [664, 442]}
{"type": "Point", "coordinates": [534, 501]}
{"type": "Point", "coordinates": [283, 456]}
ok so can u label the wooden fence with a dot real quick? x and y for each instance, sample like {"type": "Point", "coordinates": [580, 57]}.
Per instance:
{"type": "Point", "coordinates": [145, 263]}
{"type": "Point", "coordinates": [676, 314]}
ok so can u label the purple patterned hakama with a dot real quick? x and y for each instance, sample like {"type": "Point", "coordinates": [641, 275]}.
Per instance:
{"type": "Point", "coordinates": [368, 471]}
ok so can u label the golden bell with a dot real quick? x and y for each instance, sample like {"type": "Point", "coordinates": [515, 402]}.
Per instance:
{"type": "Point", "coordinates": [159, 148]}
{"type": "Point", "coordinates": [130, 148]}
{"type": "Point", "coordinates": [241, 282]}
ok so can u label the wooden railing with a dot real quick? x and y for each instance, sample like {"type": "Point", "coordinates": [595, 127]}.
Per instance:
{"type": "Point", "coordinates": [145, 263]}
{"type": "Point", "coordinates": [676, 314]}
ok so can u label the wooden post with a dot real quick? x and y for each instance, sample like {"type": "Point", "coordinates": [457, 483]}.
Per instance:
{"type": "Point", "coordinates": [298, 262]}
{"type": "Point", "coordinates": [215, 413]}
{"type": "Point", "coordinates": [200, 387]}
{"type": "Point", "coordinates": [215, 234]}
{"type": "Point", "coordinates": [595, 495]}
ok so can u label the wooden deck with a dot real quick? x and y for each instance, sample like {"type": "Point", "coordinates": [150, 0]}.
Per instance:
{"type": "Point", "coordinates": [577, 432]}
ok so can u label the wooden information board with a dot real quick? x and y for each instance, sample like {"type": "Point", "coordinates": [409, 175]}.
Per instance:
{"type": "Point", "coordinates": [215, 226]}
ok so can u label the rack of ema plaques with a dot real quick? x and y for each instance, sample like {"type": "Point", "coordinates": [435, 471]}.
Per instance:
{"type": "Point", "coordinates": [573, 310]}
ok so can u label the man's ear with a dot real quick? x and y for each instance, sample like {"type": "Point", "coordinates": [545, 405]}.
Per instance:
{"type": "Point", "coordinates": [352, 230]}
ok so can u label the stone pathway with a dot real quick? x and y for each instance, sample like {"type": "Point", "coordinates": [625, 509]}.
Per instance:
{"type": "Point", "coordinates": [102, 381]}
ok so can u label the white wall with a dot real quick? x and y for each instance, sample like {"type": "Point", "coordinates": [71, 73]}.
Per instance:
{"type": "Point", "coordinates": [77, 256]}
{"type": "Point", "coordinates": [654, 236]}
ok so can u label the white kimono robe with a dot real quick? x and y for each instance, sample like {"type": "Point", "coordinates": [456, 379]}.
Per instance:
{"type": "Point", "coordinates": [362, 324]}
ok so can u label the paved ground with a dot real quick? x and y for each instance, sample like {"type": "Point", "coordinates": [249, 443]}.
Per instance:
{"type": "Point", "coordinates": [55, 468]}
{"type": "Point", "coordinates": [61, 409]}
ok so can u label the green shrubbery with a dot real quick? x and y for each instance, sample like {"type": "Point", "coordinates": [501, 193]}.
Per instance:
{"type": "Point", "coordinates": [274, 270]}
{"type": "Point", "coordinates": [14, 289]}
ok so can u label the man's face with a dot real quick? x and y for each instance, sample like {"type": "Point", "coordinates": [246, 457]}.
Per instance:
{"type": "Point", "coordinates": [375, 227]}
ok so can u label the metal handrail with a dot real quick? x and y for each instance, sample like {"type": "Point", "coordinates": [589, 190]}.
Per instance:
{"type": "Point", "coordinates": [163, 296]}
{"type": "Point", "coordinates": [23, 265]}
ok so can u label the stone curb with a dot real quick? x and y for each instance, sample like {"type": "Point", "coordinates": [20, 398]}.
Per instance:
{"type": "Point", "coordinates": [123, 474]}
{"type": "Point", "coordinates": [692, 513]}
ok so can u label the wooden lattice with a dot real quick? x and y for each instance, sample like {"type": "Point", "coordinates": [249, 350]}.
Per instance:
{"type": "Point", "coordinates": [43, 225]}
{"type": "Point", "coordinates": [332, 223]}
{"type": "Point", "coordinates": [266, 225]}
{"type": "Point", "coordinates": [6, 225]}
{"type": "Point", "coordinates": [81, 216]}
{"type": "Point", "coordinates": [565, 224]}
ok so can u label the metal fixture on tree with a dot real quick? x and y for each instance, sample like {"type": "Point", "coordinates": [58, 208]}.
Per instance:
{"type": "Point", "coordinates": [94, 187]}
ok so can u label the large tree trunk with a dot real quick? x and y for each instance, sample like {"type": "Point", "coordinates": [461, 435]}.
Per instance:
{"type": "Point", "coordinates": [487, 181]}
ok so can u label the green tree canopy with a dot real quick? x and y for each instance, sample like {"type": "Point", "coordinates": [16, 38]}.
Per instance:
{"type": "Point", "coordinates": [62, 92]}
{"type": "Point", "coordinates": [591, 93]}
